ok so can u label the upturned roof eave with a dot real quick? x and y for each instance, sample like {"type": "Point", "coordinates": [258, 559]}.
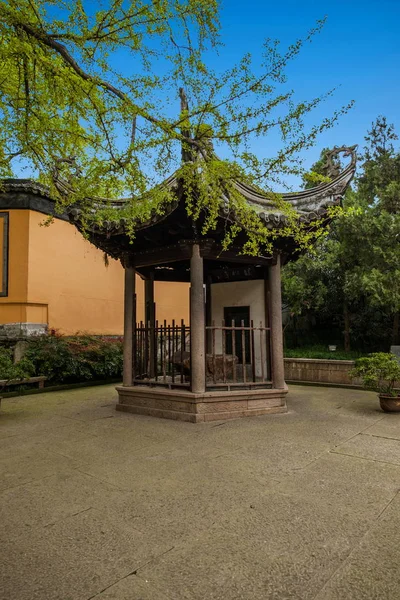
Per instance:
{"type": "Point", "coordinates": [309, 204]}
{"type": "Point", "coordinates": [305, 199]}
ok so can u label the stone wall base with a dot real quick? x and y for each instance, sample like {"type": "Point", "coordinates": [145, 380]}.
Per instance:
{"type": "Point", "coordinates": [199, 408]}
{"type": "Point", "coordinates": [14, 331]}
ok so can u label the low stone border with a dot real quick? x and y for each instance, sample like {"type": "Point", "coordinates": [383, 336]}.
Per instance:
{"type": "Point", "coordinates": [182, 405]}
{"type": "Point", "coordinates": [59, 388]}
{"type": "Point", "coordinates": [324, 371]}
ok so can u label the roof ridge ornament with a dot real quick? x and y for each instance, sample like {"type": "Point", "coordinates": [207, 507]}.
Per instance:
{"type": "Point", "coordinates": [61, 179]}
{"type": "Point", "coordinates": [332, 166]}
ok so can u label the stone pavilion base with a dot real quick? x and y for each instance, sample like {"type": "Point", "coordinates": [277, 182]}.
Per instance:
{"type": "Point", "coordinates": [183, 405]}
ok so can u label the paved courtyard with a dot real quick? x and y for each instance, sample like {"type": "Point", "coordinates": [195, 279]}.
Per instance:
{"type": "Point", "coordinates": [111, 506]}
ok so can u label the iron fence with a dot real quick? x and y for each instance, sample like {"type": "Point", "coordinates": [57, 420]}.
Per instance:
{"type": "Point", "coordinates": [162, 354]}
{"type": "Point", "coordinates": [236, 355]}
{"type": "Point", "coordinates": [239, 355]}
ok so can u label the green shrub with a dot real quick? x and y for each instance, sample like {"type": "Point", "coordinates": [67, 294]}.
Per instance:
{"type": "Point", "coordinates": [10, 371]}
{"type": "Point", "coordinates": [320, 351]}
{"type": "Point", "coordinates": [379, 372]}
{"type": "Point", "coordinates": [76, 359]}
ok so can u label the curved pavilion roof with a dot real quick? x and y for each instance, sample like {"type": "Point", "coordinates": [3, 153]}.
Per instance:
{"type": "Point", "coordinates": [310, 204]}
{"type": "Point", "coordinates": [174, 228]}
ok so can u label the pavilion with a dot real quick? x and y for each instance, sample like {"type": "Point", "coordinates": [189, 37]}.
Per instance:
{"type": "Point", "coordinates": [228, 361]}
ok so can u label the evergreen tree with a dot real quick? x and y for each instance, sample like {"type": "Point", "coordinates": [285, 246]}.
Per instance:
{"type": "Point", "coordinates": [353, 278]}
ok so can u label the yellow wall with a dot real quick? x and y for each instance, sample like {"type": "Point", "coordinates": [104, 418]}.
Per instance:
{"type": "Point", "coordinates": [57, 277]}
{"type": "Point", "coordinates": [2, 255]}
{"type": "Point", "coordinates": [69, 275]}
{"type": "Point", "coordinates": [13, 306]}
{"type": "Point", "coordinates": [172, 301]}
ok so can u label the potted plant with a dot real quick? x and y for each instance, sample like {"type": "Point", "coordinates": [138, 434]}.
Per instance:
{"type": "Point", "coordinates": [379, 372]}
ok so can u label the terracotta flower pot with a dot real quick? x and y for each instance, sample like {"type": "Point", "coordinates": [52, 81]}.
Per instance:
{"type": "Point", "coordinates": [389, 403]}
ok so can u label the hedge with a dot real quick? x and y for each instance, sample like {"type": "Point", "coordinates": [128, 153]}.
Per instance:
{"type": "Point", "coordinates": [74, 359]}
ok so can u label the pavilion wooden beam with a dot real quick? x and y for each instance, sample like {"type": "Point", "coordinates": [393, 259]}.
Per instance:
{"type": "Point", "coordinates": [217, 271]}
{"type": "Point", "coordinates": [197, 323]}
{"type": "Point", "coordinates": [209, 249]}
{"type": "Point", "coordinates": [213, 251]}
{"type": "Point", "coordinates": [173, 276]}
{"type": "Point", "coordinates": [278, 373]}
{"type": "Point", "coordinates": [162, 255]}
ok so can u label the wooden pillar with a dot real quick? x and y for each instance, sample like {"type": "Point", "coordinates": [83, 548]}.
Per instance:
{"type": "Point", "coordinates": [150, 320]}
{"type": "Point", "coordinates": [197, 323]}
{"type": "Point", "coordinates": [129, 325]}
{"type": "Point", "coordinates": [278, 373]}
{"type": "Point", "coordinates": [208, 316]}
{"type": "Point", "coordinates": [267, 304]}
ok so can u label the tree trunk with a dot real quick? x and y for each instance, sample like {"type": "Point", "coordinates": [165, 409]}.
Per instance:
{"type": "Point", "coordinates": [395, 330]}
{"type": "Point", "coordinates": [295, 339]}
{"type": "Point", "coordinates": [346, 319]}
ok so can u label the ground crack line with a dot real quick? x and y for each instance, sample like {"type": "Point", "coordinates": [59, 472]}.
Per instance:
{"type": "Point", "coordinates": [382, 437]}
{"type": "Point", "coordinates": [13, 487]}
{"type": "Point", "coordinates": [67, 517]}
{"type": "Point", "coordinates": [111, 585]}
{"type": "Point", "coordinates": [153, 559]}
{"type": "Point", "coordinates": [104, 481]}
{"type": "Point", "coordinates": [331, 450]}
{"type": "Point", "coordinates": [134, 572]}
{"type": "Point", "coordinates": [385, 462]}
{"type": "Point", "coordinates": [361, 432]}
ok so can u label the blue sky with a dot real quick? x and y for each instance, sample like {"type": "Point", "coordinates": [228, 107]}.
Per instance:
{"type": "Point", "coordinates": [357, 51]}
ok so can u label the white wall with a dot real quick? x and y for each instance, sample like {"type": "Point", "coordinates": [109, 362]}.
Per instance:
{"type": "Point", "coordinates": [240, 293]}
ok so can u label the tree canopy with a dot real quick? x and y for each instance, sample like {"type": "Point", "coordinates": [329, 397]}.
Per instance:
{"type": "Point", "coordinates": [353, 279]}
{"type": "Point", "coordinates": [89, 96]}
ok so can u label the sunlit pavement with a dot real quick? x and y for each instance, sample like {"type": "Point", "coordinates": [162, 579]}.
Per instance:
{"type": "Point", "coordinates": [107, 505]}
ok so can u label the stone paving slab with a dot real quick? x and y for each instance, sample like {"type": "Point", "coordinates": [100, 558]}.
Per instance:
{"type": "Point", "coordinates": [112, 506]}
{"type": "Point", "coordinates": [388, 427]}
{"type": "Point", "coordinates": [23, 468]}
{"type": "Point", "coordinates": [48, 440]}
{"type": "Point", "coordinates": [282, 547]}
{"type": "Point", "coordinates": [372, 569]}
{"type": "Point", "coordinates": [177, 511]}
{"type": "Point", "coordinates": [371, 486]}
{"type": "Point", "coordinates": [75, 557]}
{"type": "Point", "coordinates": [371, 447]}
{"type": "Point", "coordinates": [43, 502]}
{"type": "Point", "coordinates": [132, 587]}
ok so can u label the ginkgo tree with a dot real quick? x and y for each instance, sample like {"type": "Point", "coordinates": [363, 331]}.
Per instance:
{"type": "Point", "coordinates": [102, 100]}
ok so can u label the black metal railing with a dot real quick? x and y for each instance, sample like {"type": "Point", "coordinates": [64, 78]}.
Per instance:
{"type": "Point", "coordinates": [236, 355]}
{"type": "Point", "coordinates": [162, 354]}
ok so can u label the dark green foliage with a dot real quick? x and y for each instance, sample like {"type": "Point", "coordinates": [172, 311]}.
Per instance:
{"type": "Point", "coordinates": [379, 372]}
{"type": "Point", "coordinates": [75, 359]}
{"type": "Point", "coordinates": [9, 370]}
{"type": "Point", "coordinates": [319, 170]}
{"type": "Point", "coordinates": [380, 180]}
{"type": "Point", "coordinates": [322, 352]}
{"type": "Point", "coordinates": [351, 284]}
